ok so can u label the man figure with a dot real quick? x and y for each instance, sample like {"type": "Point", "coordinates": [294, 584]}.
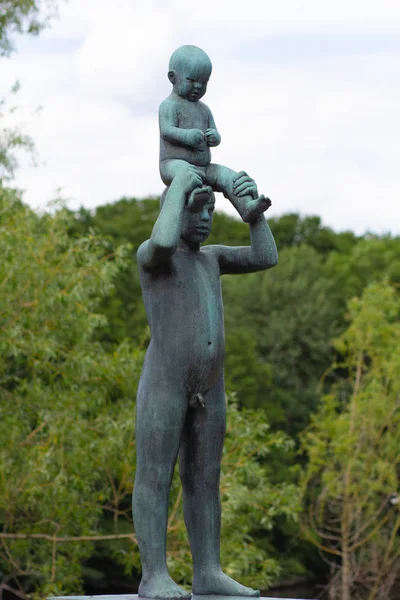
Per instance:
{"type": "Point", "coordinates": [181, 397]}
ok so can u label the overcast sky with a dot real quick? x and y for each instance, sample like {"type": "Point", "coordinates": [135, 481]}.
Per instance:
{"type": "Point", "coordinates": [305, 94]}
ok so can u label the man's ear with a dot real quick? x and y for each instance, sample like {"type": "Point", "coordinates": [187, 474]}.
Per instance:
{"type": "Point", "coordinates": [171, 77]}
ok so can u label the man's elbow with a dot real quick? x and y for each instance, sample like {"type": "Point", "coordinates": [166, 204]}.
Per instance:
{"type": "Point", "coordinates": [273, 260]}
{"type": "Point", "coordinates": [266, 261]}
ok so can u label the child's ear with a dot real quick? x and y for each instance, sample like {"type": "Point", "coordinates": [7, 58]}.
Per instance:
{"type": "Point", "coordinates": [171, 77]}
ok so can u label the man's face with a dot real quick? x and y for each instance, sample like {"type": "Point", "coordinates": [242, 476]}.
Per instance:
{"type": "Point", "coordinates": [196, 226]}
{"type": "Point", "coordinates": [191, 80]}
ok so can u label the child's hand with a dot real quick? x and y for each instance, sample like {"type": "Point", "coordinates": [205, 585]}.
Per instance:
{"type": "Point", "coordinates": [212, 137]}
{"type": "Point", "coordinates": [195, 138]}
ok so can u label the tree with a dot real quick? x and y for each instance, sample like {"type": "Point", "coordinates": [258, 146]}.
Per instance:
{"type": "Point", "coordinates": [373, 258]}
{"type": "Point", "coordinates": [12, 139]}
{"type": "Point", "coordinates": [351, 482]}
{"type": "Point", "coordinates": [67, 407]}
{"type": "Point", "coordinates": [293, 230]}
{"type": "Point", "coordinates": [290, 319]}
{"type": "Point", "coordinates": [23, 16]}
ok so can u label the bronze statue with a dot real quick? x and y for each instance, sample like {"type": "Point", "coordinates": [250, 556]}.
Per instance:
{"type": "Point", "coordinates": [181, 397]}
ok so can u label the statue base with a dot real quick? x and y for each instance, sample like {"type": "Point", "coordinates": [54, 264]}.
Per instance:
{"type": "Point", "coordinates": [136, 597]}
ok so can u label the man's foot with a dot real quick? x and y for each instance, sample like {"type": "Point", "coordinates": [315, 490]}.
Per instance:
{"type": "Point", "coordinates": [198, 198]}
{"type": "Point", "coordinates": [250, 210]}
{"type": "Point", "coordinates": [217, 583]}
{"type": "Point", "coordinates": [162, 587]}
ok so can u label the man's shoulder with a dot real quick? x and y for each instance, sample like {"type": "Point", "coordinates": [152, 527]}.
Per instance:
{"type": "Point", "coordinates": [210, 252]}
{"type": "Point", "coordinates": [141, 252]}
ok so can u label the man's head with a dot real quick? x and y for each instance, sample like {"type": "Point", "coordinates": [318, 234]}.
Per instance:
{"type": "Point", "coordinates": [196, 226]}
{"type": "Point", "coordinates": [189, 72]}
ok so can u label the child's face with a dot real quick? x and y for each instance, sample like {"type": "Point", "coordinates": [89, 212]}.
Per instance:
{"type": "Point", "coordinates": [196, 226]}
{"type": "Point", "coordinates": [191, 80]}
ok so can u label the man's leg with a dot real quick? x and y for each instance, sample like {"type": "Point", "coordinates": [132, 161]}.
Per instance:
{"type": "Point", "coordinates": [200, 464]}
{"type": "Point", "coordinates": [250, 205]}
{"type": "Point", "coordinates": [161, 411]}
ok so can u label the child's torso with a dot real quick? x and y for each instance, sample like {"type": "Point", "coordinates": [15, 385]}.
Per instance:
{"type": "Point", "coordinates": [189, 115]}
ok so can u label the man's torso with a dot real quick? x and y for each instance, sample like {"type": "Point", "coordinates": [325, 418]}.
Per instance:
{"type": "Point", "coordinates": [184, 307]}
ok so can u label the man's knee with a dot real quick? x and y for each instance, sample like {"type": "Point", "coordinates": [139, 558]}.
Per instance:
{"type": "Point", "coordinates": [153, 478]}
{"type": "Point", "coordinates": [195, 480]}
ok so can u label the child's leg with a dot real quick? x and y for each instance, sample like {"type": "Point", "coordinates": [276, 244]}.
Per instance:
{"type": "Point", "coordinates": [169, 168]}
{"type": "Point", "coordinates": [249, 206]}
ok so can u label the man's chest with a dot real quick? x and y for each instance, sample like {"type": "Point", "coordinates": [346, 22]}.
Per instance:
{"type": "Point", "coordinates": [190, 279]}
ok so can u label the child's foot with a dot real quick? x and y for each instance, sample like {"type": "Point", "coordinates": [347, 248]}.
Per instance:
{"type": "Point", "coordinates": [217, 583]}
{"type": "Point", "coordinates": [198, 198]}
{"type": "Point", "coordinates": [251, 209]}
{"type": "Point", "coordinates": [162, 587]}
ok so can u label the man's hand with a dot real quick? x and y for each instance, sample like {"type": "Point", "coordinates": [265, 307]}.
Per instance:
{"type": "Point", "coordinates": [244, 185]}
{"type": "Point", "coordinates": [195, 138]}
{"type": "Point", "coordinates": [189, 177]}
{"type": "Point", "coordinates": [212, 137]}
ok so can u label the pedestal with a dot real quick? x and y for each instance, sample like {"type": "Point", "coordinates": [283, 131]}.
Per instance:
{"type": "Point", "coordinates": [136, 597]}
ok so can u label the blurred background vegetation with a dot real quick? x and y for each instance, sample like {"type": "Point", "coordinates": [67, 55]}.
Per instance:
{"type": "Point", "coordinates": [310, 485]}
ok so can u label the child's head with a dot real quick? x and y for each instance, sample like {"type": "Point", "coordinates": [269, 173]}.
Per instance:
{"type": "Point", "coordinates": [189, 72]}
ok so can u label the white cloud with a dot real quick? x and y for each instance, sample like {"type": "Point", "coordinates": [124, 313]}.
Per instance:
{"type": "Point", "coordinates": [261, 17]}
{"type": "Point", "coordinates": [124, 55]}
{"type": "Point", "coordinates": [319, 131]}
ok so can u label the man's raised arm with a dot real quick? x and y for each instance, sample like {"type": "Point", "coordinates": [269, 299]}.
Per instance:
{"type": "Point", "coordinates": [261, 255]}
{"type": "Point", "coordinates": [166, 232]}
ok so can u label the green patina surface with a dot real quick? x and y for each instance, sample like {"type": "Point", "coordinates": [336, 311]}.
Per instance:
{"type": "Point", "coordinates": [181, 406]}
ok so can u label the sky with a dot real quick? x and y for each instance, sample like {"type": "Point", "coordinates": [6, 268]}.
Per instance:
{"type": "Point", "coordinates": [305, 94]}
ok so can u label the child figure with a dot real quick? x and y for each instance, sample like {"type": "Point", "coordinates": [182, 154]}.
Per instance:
{"type": "Point", "coordinates": [187, 131]}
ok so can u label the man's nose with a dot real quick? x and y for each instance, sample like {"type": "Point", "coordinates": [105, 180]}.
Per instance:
{"type": "Point", "coordinates": [205, 216]}
{"type": "Point", "coordinates": [197, 85]}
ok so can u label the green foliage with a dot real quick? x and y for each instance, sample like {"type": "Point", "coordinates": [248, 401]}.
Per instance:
{"type": "Point", "coordinates": [287, 314]}
{"type": "Point", "coordinates": [353, 454]}
{"type": "Point", "coordinates": [66, 406]}
{"type": "Point", "coordinates": [292, 230]}
{"type": "Point", "coordinates": [371, 259]}
{"type": "Point", "coordinates": [125, 221]}
{"type": "Point", "coordinates": [22, 16]}
{"type": "Point", "coordinates": [67, 444]}
{"type": "Point", "coordinates": [12, 139]}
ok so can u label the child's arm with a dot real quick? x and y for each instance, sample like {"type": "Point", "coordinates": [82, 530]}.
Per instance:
{"type": "Point", "coordinates": [166, 232]}
{"type": "Point", "coordinates": [213, 138]}
{"type": "Point", "coordinates": [169, 130]}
